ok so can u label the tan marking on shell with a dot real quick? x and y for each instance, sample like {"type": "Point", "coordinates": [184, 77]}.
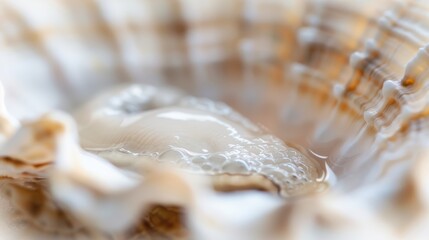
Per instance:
{"type": "Point", "coordinates": [20, 163]}
{"type": "Point", "coordinates": [322, 37]}
{"type": "Point", "coordinates": [230, 183]}
{"type": "Point", "coordinates": [34, 207]}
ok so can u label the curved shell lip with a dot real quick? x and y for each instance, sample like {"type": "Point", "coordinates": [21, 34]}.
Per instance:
{"type": "Point", "coordinates": [229, 182]}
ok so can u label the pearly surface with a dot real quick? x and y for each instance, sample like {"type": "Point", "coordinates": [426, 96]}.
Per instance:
{"type": "Point", "coordinates": [199, 135]}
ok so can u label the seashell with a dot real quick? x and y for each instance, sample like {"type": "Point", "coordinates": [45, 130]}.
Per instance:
{"type": "Point", "coordinates": [342, 84]}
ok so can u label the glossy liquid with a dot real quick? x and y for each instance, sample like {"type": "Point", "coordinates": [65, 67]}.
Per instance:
{"type": "Point", "coordinates": [198, 135]}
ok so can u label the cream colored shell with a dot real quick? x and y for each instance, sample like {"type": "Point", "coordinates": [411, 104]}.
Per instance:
{"type": "Point", "coordinates": [346, 80]}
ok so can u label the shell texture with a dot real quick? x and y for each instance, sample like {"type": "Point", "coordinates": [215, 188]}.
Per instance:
{"type": "Point", "coordinates": [98, 142]}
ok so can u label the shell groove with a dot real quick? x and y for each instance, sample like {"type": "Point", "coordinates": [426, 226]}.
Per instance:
{"type": "Point", "coordinates": [346, 80]}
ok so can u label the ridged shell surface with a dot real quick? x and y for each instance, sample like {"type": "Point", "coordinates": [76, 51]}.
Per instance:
{"type": "Point", "coordinates": [87, 84]}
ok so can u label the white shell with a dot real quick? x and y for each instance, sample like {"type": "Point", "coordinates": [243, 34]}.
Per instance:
{"type": "Point", "coordinates": [346, 80]}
